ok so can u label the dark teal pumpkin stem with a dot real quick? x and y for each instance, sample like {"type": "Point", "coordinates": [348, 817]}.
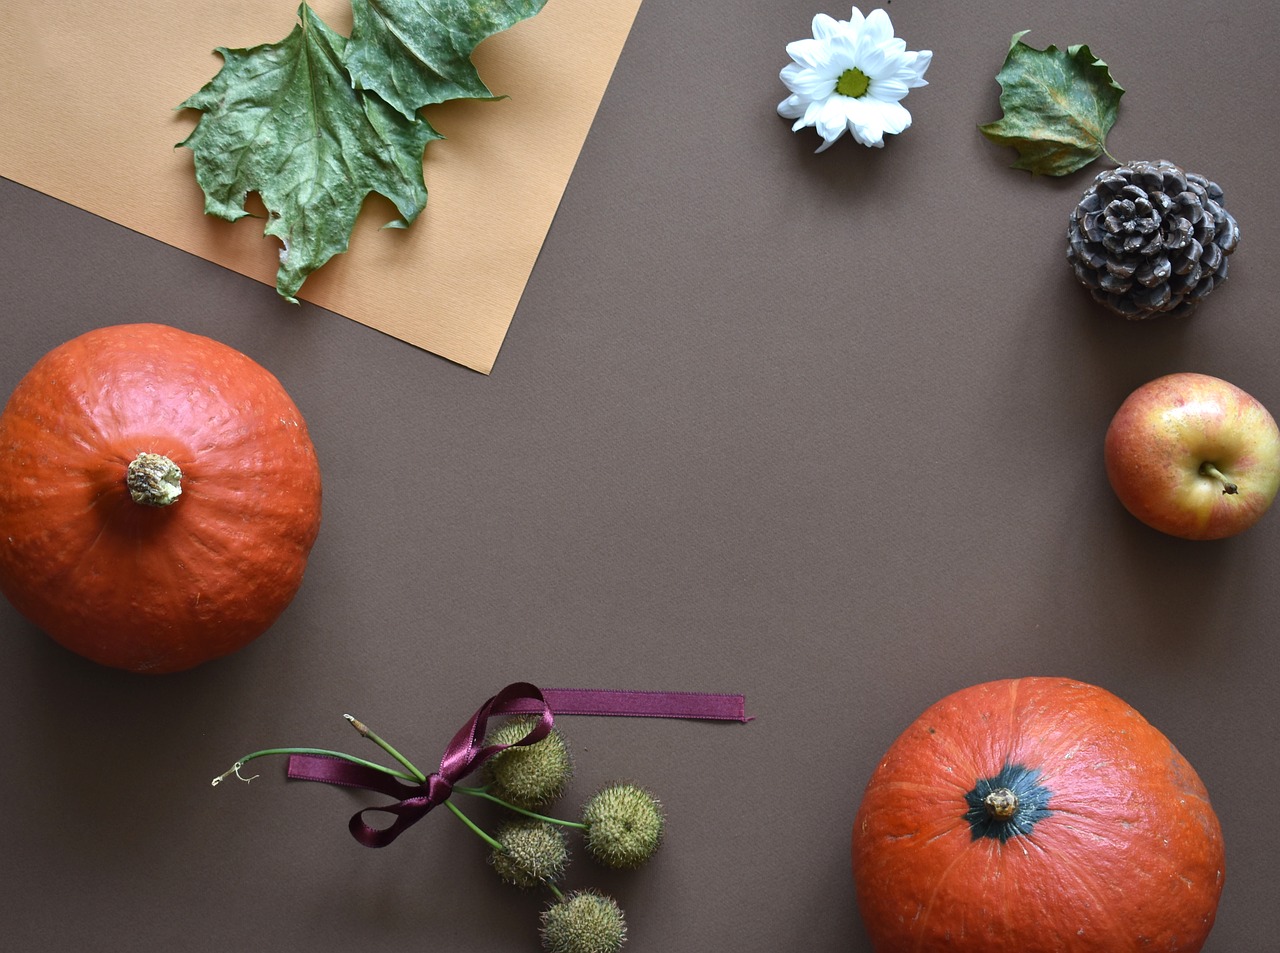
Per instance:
{"type": "Point", "coordinates": [1007, 805]}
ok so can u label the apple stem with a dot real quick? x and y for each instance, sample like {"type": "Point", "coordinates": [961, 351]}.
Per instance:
{"type": "Point", "coordinates": [1208, 469]}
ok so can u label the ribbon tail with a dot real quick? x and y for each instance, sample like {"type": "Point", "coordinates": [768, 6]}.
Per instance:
{"type": "Point", "coordinates": [701, 706]}
{"type": "Point", "coordinates": [330, 770]}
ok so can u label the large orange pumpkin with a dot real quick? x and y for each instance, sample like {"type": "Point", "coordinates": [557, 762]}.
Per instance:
{"type": "Point", "coordinates": [1036, 815]}
{"type": "Point", "coordinates": [159, 497]}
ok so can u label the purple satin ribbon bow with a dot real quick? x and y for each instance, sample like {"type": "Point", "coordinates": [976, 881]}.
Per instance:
{"type": "Point", "coordinates": [466, 752]}
{"type": "Point", "coordinates": [413, 801]}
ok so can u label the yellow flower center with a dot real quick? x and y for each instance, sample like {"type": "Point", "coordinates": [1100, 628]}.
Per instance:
{"type": "Point", "coordinates": [853, 82]}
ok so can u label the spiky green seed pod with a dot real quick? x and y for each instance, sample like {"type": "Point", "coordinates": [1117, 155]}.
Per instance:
{"type": "Point", "coordinates": [533, 853]}
{"type": "Point", "coordinates": [529, 776]}
{"type": "Point", "coordinates": [624, 825]}
{"type": "Point", "coordinates": [583, 922]}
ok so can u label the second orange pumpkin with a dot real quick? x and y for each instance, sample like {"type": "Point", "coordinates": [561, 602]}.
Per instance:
{"type": "Point", "coordinates": [1036, 815]}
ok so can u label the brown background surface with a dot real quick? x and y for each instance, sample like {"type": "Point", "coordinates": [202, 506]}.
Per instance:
{"type": "Point", "coordinates": [825, 430]}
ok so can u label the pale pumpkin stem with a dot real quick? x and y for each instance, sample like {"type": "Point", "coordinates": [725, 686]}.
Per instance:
{"type": "Point", "coordinates": [1001, 803]}
{"type": "Point", "coordinates": [1209, 470]}
{"type": "Point", "coordinates": [154, 480]}
{"type": "Point", "coordinates": [361, 727]}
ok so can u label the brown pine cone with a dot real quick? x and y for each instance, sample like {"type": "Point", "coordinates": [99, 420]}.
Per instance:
{"type": "Point", "coordinates": [1149, 239]}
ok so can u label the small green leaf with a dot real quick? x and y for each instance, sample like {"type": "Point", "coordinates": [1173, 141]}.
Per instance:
{"type": "Point", "coordinates": [414, 53]}
{"type": "Point", "coordinates": [282, 120]}
{"type": "Point", "coordinates": [1058, 107]}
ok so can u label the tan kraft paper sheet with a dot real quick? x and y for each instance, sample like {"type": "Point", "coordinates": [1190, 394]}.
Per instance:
{"type": "Point", "coordinates": [88, 115]}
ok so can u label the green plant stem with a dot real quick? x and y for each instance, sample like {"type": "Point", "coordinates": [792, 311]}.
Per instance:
{"type": "Point", "coordinates": [364, 730]}
{"type": "Point", "coordinates": [482, 793]}
{"type": "Point", "coordinates": [317, 751]}
{"type": "Point", "coordinates": [555, 890]}
{"type": "Point", "coordinates": [457, 812]}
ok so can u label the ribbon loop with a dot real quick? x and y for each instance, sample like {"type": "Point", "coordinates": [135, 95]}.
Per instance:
{"type": "Point", "coordinates": [407, 812]}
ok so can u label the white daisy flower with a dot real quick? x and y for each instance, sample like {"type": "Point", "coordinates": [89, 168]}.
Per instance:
{"type": "Point", "coordinates": [852, 75]}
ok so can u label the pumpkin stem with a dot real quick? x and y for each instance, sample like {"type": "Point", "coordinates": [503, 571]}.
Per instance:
{"type": "Point", "coordinates": [1001, 803]}
{"type": "Point", "coordinates": [153, 480]}
{"type": "Point", "coordinates": [1209, 470]}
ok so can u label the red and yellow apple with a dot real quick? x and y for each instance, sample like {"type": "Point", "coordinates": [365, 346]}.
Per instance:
{"type": "Point", "coordinates": [1193, 456]}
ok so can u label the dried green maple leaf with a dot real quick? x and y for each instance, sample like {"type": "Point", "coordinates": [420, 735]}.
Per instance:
{"type": "Point", "coordinates": [1058, 107]}
{"type": "Point", "coordinates": [282, 120]}
{"type": "Point", "coordinates": [415, 53]}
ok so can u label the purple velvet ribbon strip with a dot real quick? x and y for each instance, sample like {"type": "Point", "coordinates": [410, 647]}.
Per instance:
{"type": "Point", "coordinates": [466, 752]}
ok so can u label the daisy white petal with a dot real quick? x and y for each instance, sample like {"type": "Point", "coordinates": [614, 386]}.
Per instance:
{"type": "Point", "coordinates": [832, 118]}
{"type": "Point", "coordinates": [825, 27]}
{"type": "Point", "coordinates": [843, 50]}
{"type": "Point", "coordinates": [910, 68]}
{"type": "Point", "coordinates": [864, 123]}
{"type": "Point", "coordinates": [791, 108]}
{"type": "Point", "coordinates": [893, 117]}
{"type": "Point", "coordinates": [814, 54]}
{"type": "Point", "coordinates": [918, 65]}
{"type": "Point", "coordinates": [889, 90]}
{"type": "Point", "coordinates": [877, 62]}
{"type": "Point", "coordinates": [812, 111]}
{"type": "Point", "coordinates": [878, 28]}
{"type": "Point", "coordinates": [806, 82]}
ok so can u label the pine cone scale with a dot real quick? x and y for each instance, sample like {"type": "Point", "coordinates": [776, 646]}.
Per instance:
{"type": "Point", "coordinates": [1153, 272]}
